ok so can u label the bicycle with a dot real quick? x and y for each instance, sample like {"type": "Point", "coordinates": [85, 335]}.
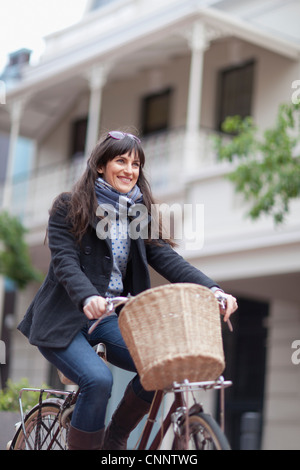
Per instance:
{"type": "Point", "coordinates": [45, 426]}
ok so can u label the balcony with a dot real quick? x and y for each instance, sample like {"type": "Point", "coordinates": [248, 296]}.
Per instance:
{"type": "Point", "coordinates": [168, 168]}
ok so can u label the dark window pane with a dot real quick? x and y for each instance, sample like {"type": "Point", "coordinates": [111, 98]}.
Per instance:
{"type": "Point", "coordinates": [78, 137]}
{"type": "Point", "coordinates": [156, 112]}
{"type": "Point", "coordinates": [235, 92]}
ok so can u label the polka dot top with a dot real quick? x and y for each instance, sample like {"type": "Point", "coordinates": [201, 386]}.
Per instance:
{"type": "Point", "coordinates": [120, 243]}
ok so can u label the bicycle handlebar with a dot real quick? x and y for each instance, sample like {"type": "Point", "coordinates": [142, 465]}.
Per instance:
{"type": "Point", "coordinates": [113, 302]}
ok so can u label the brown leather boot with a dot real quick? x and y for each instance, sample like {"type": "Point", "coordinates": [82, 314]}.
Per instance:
{"type": "Point", "coordinates": [126, 417]}
{"type": "Point", "coordinates": [83, 440]}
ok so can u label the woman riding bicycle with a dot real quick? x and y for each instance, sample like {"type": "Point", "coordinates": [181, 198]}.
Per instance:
{"type": "Point", "coordinates": [93, 257]}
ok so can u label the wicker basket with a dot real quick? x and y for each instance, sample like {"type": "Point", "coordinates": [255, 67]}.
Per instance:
{"type": "Point", "coordinates": [173, 333]}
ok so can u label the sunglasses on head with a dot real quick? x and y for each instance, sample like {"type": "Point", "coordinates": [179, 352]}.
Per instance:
{"type": "Point", "coordinates": [118, 135]}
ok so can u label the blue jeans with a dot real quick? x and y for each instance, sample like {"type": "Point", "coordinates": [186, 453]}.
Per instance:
{"type": "Point", "coordinates": [82, 365]}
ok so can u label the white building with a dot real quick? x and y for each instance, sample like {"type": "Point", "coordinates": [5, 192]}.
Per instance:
{"type": "Point", "coordinates": [172, 70]}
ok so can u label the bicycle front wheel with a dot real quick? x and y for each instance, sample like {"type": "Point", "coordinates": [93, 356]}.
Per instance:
{"type": "Point", "coordinates": [203, 433]}
{"type": "Point", "coordinates": [43, 430]}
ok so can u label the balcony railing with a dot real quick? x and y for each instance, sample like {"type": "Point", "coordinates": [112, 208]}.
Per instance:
{"type": "Point", "coordinates": [33, 194]}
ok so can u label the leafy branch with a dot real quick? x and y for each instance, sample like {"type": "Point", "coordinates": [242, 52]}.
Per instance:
{"type": "Point", "coordinates": [268, 168]}
{"type": "Point", "coordinates": [9, 396]}
{"type": "Point", "coordinates": [15, 261]}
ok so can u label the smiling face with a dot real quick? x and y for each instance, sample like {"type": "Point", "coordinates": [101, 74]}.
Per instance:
{"type": "Point", "coordinates": [121, 172]}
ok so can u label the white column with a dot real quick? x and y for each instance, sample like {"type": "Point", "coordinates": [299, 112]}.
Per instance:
{"type": "Point", "coordinates": [16, 110]}
{"type": "Point", "coordinates": [97, 78]}
{"type": "Point", "coordinates": [198, 44]}
{"type": "Point", "coordinates": [281, 426]}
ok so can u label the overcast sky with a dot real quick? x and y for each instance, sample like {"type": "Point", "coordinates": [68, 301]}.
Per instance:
{"type": "Point", "coordinates": [24, 23]}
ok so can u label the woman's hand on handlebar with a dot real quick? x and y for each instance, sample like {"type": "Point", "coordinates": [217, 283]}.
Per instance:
{"type": "Point", "coordinates": [230, 304]}
{"type": "Point", "coordinates": [95, 307]}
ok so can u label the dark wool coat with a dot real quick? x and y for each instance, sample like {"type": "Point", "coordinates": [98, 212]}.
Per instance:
{"type": "Point", "coordinates": [78, 271]}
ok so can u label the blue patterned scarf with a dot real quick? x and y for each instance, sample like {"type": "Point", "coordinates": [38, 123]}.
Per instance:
{"type": "Point", "coordinates": [106, 194]}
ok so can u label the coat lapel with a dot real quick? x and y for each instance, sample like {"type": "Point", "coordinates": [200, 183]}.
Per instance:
{"type": "Point", "coordinates": [106, 239]}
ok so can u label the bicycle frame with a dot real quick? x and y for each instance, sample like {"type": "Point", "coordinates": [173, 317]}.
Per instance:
{"type": "Point", "coordinates": [179, 404]}
{"type": "Point", "coordinates": [157, 400]}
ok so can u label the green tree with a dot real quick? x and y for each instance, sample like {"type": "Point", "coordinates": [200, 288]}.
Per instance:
{"type": "Point", "coordinates": [9, 396]}
{"type": "Point", "coordinates": [267, 167]}
{"type": "Point", "coordinates": [15, 260]}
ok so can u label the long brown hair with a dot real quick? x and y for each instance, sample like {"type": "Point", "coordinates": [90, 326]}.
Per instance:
{"type": "Point", "coordinates": [82, 202]}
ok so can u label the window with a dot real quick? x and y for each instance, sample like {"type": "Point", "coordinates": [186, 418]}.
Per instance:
{"type": "Point", "coordinates": [156, 112]}
{"type": "Point", "coordinates": [4, 148]}
{"type": "Point", "coordinates": [79, 129]}
{"type": "Point", "coordinates": [235, 92]}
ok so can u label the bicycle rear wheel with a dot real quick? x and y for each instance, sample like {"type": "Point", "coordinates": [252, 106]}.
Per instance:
{"type": "Point", "coordinates": [203, 433]}
{"type": "Point", "coordinates": [43, 430]}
